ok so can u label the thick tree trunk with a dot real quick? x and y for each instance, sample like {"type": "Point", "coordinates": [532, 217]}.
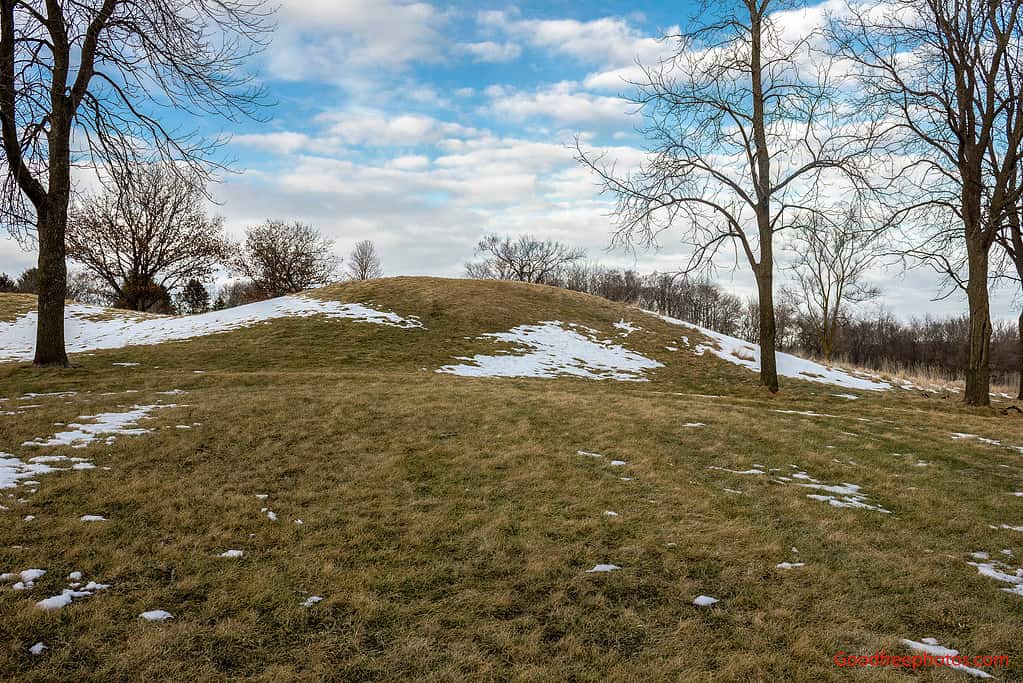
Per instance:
{"type": "Point", "coordinates": [768, 331]}
{"type": "Point", "coordinates": [1019, 365]}
{"type": "Point", "coordinates": [52, 288]}
{"type": "Point", "coordinates": [978, 372]}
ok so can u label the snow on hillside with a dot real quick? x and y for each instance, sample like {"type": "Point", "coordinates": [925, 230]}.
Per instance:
{"type": "Point", "coordinates": [551, 349]}
{"type": "Point", "coordinates": [90, 328]}
{"type": "Point", "coordinates": [748, 355]}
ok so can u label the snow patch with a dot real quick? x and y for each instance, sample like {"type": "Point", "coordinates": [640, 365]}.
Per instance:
{"type": "Point", "coordinates": [12, 469]}
{"type": "Point", "coordinates": [748, 355]}
{"type": "Point", "coordinates": [110, 425]}
{"type": "Point", "coordinates": [550, 349]}
{"type": "Point", "coordinates": [930, 646]}
{"type": "Point", "coordinates": [89, 328]}
{"type": "Point", "coordinates": [311, 600]}
{"type": "Point", "coordinates": [725, 469]}
{"type": "Point", "coordinates": [156, 615]}
{"type": "Point", "coordinates": [704, 601]}
{"type": "Point", "coordinates": [626, 328]}
{"type": "Point", "coordinates": [602, 568]}
{"type": "Point", "coordinates": [67, 596]}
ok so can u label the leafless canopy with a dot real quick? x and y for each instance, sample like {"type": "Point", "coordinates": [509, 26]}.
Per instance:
{"type": "Point", "coordinates": [284, 258]}
{"type": "Point", "coordinates": [526, 259]}
{"type": "Point", "coordinates": [745, 130]}
{"type": "Point", "coordinates": [832, 256]}
{"type": "Point", "coordinates": [149, 235]}
{"type": "Point", "coordinates": [363, 262]}
{"type": "Point", "coordinates": [948, 75]}
{"type": "Point", "coordinates": [105, 77]}
{"type": "Point", "coordinates": [109, 85]}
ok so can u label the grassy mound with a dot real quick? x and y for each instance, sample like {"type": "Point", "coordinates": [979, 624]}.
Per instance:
{"type": "Point", "coordinates": [448, 522]}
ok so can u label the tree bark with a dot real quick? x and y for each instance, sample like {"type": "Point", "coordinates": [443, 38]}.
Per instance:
{"type": "Point", "coordinates": [1019, 365]}
{"type": "Point", "coordinates": [978, 372]}
{"type": "Point", "coordinates": [50, 352]}
{"type": "Point", "coordinates": [764, 270]}
{"type": "Point", "coordinates": [768, 330]}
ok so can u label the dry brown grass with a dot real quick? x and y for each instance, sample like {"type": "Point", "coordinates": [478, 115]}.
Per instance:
{"type": "Point", "coordinates": [448, 522]}
{"type": "Point", "coordinates": [931, 378]}
{"type": "Point", "coordinates": [13, 305]}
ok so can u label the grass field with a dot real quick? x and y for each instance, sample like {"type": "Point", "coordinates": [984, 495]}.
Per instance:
{"type": "Point", "coordinates": [448, 522]}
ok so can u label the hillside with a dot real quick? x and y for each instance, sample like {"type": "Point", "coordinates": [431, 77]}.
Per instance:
{"type": "Point", "coordinates": [481, 478]}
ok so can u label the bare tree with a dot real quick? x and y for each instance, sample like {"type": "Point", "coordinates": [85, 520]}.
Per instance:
{"type": "Point", "coordinates": [744, 129]}
{"type": "Point", "coordinates": [363, 263]}
{"type": "Point", "coordinates": [526, 259]}
{"type": "Point", "coordinates": [147, 237]}
{"type": "Point", "coordinates": [1011, 241]}
{"type": "Point", "coordinates": [283, 258]}
{"type": "Point", "coordinates": [84, 83]}
{"type": "Point", "coordinates": [829, 268]}
{"type": "Point", "coordinates": [947, 73]}
{"type": "Point", "coordinates": [237, 293]}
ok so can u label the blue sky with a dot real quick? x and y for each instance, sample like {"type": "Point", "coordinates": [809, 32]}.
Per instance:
{"type": "Point", "coordinates": [424, 125]}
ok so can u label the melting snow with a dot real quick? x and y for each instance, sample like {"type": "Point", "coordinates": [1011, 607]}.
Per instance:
{"type": "Point", "coordinates": [748, 355]}
{"type": "Point", "coordinates": [601, 568]}
{"type": "Point", "coordinates": [994, 570]}
{"type": "Point", "coordinates": [961, 436]}
{"type": "Point", "coordinates": [725, 469]}
{"type": "Point", "coordinates": [704, 601]}
{"type": "Point", "coordinates": [67, 595]}
{"type": "Point", "coordinates": [92, 518]}
{"type": "Point", "coordinates": [805, 413]}
{"type": "Point", "coordinates": [626, 328]}
{"type": "Point", "coordinates": [92, 327]}
{"type": "Point", "coordinates": [104, 424]}
{"type": "Point", "coordinates": [232, 553]}
{"type": "Point", "coordinates": [311, 600]}
{"type": "Point", "coordinates": [156, 615]}
{"type": "Point", "coordinates": [549, 349]}
{"type": "Point", "coordinates": [790, 565]}
{"type": "Point", "coordinates": [930, 646]}
{"type": "Point", "coordinates": [13, 469]}
{"type": "Point", "coordinates": [846, 495]}
{"type": "Point", "coordinates": [37, 649]}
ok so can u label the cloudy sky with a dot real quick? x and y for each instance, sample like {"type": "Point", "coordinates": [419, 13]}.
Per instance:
{"type": "Point", "coordinates": [423, 126]}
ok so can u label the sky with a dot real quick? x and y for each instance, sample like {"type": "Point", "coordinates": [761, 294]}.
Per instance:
{"type": "Point", "coordinates": [424, 126]}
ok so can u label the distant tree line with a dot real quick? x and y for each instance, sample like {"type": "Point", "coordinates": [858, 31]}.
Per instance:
{"type": "Point", "coordinates": [145, 243]}
{"type": "Point", "coordinates": [874, 339]}
{"type": "Point", "coordinates": [868, 337]}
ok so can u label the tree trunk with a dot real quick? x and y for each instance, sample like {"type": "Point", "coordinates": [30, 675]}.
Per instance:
{"type": "Point", "coordinates": [50, 351]}
{"type": "Point", "coordinates": [768, 331]}
{"type": "Point", "coordinates": [1019, 365]}
{"type": "Point", "coordinates": [978, 379]}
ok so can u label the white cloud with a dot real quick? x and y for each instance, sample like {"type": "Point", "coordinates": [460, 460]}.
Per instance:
{"type": "Point", "coordinates": [342, 42]}
{"type": "Point", "coordinates": [608, 42]}
{"type": "Point", "coordinates": [283, 142]}
{"type": "Point", "coordinates": [491, 52]}
{"type": "Point", "coordinates": [374, 128]}
{"type": "Point", "coordinates": [564, 103]}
